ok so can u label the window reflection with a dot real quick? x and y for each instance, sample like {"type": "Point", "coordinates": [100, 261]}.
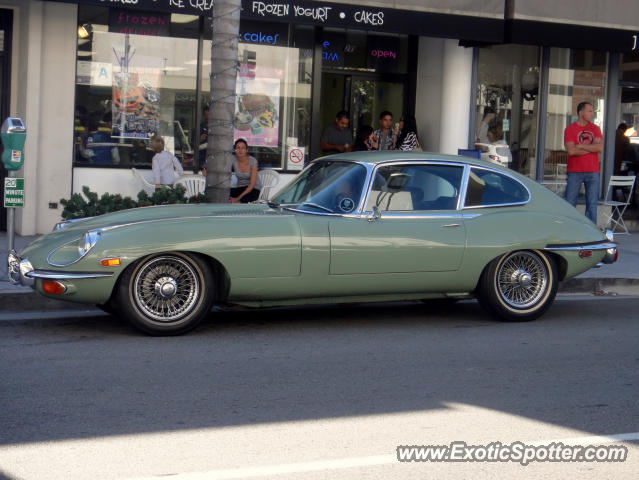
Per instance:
{"type": "Point", "coordinates": [575, 76]}
{"type": "Point", "coordinates": [507, 91]}
{"type": "Point", "coordinates": [132, 83]}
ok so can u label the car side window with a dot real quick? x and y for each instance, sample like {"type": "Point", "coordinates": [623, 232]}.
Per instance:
{"type": "Point", "coordinates": [487, 187]}
{"type": "Point", "coordinates": [415, 187]}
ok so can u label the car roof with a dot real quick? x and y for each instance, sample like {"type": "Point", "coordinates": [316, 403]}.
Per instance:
{"type": "Point", "coordinates": [375, 157]}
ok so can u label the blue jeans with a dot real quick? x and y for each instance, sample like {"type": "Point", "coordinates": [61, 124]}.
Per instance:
{"type": "Point", "coordinates": [591, 183]}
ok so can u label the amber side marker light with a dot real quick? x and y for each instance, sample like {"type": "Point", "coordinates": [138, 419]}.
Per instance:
{"type": "Point", "coordinates": [585, 253]}
{"type": "Point", "coordinates": [53, 287]}
{"type": "Point", "coordinates": [110, 262]}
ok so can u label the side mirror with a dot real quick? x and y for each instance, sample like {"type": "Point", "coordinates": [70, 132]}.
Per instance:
{"type": "Point", "coordinates": [375, 215]}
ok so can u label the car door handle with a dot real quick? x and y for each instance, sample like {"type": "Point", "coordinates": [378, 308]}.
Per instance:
{"type": "Point", "coordinates": [449, 225]}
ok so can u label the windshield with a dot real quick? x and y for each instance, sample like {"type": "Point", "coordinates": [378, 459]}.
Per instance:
{"type": "Point", "coordinates": [328, 186]}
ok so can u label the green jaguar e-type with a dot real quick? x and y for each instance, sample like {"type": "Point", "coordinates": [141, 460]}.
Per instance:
{"type": "Point", "coordinates": [367, 226]}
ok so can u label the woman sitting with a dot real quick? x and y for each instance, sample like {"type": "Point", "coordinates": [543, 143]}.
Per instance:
{"type": "Point", "coordinates": [245, 169]}
{"type": "Point", "coordinates": [407, 139]}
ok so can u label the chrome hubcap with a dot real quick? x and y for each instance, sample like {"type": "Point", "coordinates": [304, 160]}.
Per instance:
{"type": "Point", "coordinates": [522, 279]}
{"type": "Point", "coordinates": [166, 289]}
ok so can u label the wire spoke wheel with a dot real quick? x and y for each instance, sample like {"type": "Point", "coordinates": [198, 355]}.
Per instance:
{"type": "Point", "coordinates": [167, 294]}
{"type": "Point", "coordinates": [522, 279]}
{"type": "Point", "coordinates": [166, 288]}
{"type": "Point", "coordinates": [519, 286]}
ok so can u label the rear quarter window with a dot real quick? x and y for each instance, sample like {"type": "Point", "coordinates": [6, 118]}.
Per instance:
{"type": "Point", "coordinates": [488, 187]}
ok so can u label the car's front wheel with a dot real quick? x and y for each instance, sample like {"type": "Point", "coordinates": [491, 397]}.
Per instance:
{"type": "Point", "coordinates": [167, 294]}
{"type": "Point", "coordinates": [519, 286]}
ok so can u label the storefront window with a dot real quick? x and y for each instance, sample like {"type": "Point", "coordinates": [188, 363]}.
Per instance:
{"type": "Point", "coordinates": [507, 106]}
{"type": "Point", "coordinates": [575, 76]}
{"type": "Point", "coordinates": [629, 102]}
{"type": "Point", "coordinates": [364, 73]}
{"type": "Point", "coordinates": [273, 86]}
{"type": "Point", "coordinates": [133, 81]}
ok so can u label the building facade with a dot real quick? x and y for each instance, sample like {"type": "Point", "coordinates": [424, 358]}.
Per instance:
{"type": "Point", "coordinates": [92, 79]}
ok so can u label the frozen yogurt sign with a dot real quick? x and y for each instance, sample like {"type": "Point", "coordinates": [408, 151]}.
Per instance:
{"type": "Point", "coordinates": [322, 14]}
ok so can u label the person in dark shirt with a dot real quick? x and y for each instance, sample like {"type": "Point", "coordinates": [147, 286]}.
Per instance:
{"type": "Point", "coordinates": [337, 138]}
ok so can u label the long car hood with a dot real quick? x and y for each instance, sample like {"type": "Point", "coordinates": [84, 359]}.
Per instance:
{"type": "Point", "coordinates": [166, 212]}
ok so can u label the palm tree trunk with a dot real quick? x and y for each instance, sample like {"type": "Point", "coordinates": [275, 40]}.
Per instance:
{"type": "Point", "coordinates": [226, 30]}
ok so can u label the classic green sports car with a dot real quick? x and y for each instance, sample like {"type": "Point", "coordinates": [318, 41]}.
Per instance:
{"type": "Point", "coordinates": [368, 226]}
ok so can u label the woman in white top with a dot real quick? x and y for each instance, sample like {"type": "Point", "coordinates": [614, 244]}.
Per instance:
{"type": "Point", "coordinates": [245, 169]}
{"type": "Point", "coordinates": [164, 163]}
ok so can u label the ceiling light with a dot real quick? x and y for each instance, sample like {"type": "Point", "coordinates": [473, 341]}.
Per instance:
{"type": "Point", "coordinates": [84, 31]}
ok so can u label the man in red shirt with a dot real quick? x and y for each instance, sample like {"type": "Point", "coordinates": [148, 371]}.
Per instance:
{"type": "Point", "coordinates": [583, 142]}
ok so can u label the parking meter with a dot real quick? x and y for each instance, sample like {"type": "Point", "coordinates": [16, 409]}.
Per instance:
{"type": "Point", "coordinates": [14, 134]}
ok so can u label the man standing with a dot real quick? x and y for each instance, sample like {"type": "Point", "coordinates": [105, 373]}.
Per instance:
{"type": "Point", "coordinates": [583, 142]}
{"type": "Point", "coordinates": [384, 136]}
{"type": "Point", "coordinates": [337, 138]}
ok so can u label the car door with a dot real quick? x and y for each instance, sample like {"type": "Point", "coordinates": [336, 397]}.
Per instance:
{"type": "Point", "coordinates": [419, 229]}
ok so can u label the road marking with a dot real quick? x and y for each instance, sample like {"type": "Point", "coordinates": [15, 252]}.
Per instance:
{"type": "Point", "coordinates": [354, 462]}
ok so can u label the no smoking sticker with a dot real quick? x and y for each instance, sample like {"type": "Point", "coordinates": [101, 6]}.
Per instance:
{"type": "Point", "coordinates": [295, 158]}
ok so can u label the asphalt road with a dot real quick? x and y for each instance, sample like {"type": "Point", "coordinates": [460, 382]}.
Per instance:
{"type": "Point", "coordinates": [326, 392]}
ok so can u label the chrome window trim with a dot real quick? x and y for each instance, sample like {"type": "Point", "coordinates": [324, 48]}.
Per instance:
{"type": "Point", "coordinates": [373, 171]}
{"type": "Point", "coordinates": [403, 214]}
{"type": "Point", "coordinates": [499, 172]}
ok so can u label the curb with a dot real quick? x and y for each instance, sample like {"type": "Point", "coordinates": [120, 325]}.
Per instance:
{"type": "Point", "coordinates": [23, 299]}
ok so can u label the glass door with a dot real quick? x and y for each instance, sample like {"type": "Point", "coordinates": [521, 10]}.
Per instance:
{"type": "Point", "coordinates": [370, 97]}
{"type": "Point", "coordinates": [365, 97]}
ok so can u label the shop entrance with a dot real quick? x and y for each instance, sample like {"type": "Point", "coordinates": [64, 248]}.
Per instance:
{"type": "Point", "coordinates": [6, 22]}
{"type": "Point", "coordinates": [364, 96]}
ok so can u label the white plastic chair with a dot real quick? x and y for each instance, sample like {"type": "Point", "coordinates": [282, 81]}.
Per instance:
{"type": "Point", "coordinates": [194, 184]}
{"type": "Point", "coordinates": [146, 185]}
{"type": "Point", "coordinates": [268, 179]}
{"type": "Point", "coordinates": [617, 209]}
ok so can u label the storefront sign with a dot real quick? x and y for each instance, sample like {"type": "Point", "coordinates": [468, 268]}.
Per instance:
{"type": "Point", "coordinates": [186, 7]}
{"type": "Point", "coordinates": [140, 23]}
{"type": "Point", "coordinates": [262, 33]}
{"type": "Point", "coordinates": [339, 15]}
{"type": "Point", "coordinates": [13, 192]}
{"type": "Point", "coordinates": [375, 19]}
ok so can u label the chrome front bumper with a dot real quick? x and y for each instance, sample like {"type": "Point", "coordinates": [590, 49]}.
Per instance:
{"type": "Point", "coordinates": [19, 269]}
{"type": "Point", "coordinates": [21, 272]}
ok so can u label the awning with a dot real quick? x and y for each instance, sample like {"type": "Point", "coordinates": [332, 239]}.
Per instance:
{"type": "Point", "coordinates": [587, 24]}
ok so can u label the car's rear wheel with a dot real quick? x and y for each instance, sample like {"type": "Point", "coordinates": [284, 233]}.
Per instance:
{"type": "Point", "coordinates": [519, 286]}
{"type": "Point", "coordinates": [167, 294]}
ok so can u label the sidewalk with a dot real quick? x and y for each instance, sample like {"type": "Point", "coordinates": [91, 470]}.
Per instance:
{"type": "Point", "coordinates": [622, 278]}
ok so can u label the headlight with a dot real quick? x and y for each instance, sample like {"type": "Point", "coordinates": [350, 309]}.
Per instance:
{"type": "Point", "coordinates": [74, 250]}
{"type": "Point", "coordinates": [88, 241]}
